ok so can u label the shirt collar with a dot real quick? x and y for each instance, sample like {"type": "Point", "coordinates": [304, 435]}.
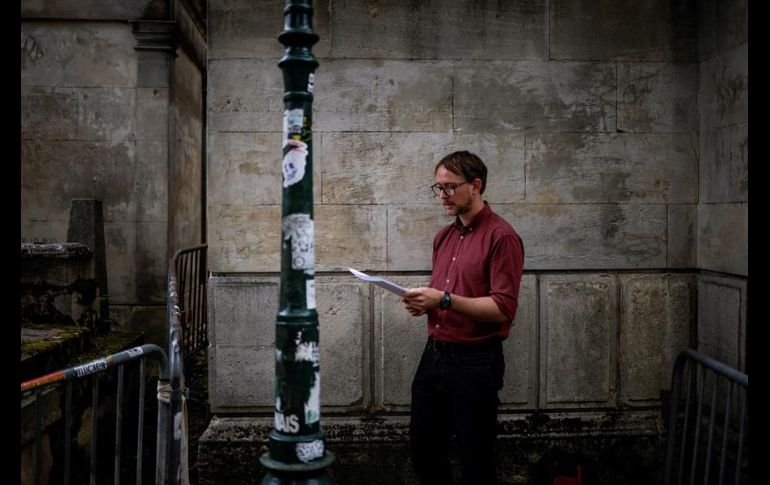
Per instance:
{"type": "Point", "coordinates": [477, 219]}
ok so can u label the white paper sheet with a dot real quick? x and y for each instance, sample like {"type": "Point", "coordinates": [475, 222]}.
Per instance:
{"type": "Point", "coordinates": [381, 282]}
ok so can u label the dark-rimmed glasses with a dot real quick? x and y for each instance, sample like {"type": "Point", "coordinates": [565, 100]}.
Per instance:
{"type": "Point", "coordinates": [449, 189]}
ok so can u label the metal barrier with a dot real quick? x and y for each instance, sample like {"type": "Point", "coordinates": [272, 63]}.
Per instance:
{"type": "Point", "coordinates": [94, 370]}
{"type": "Point", "coordinates": [189, 266]}
{"type": "Point", "coordinates": [701, 425]}
{"type": "Point", "coordinates": [171, 441]}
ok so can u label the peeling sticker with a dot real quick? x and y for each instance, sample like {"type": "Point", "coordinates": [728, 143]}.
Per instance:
{"type": "Point", "coordinates": [310, 294]}
{"type": "Point", "coordinates": [286, 424]}
{"type": "Point", "coordinates": [293, 121]}
{"type": "Point", "coordinates": [294, 162]}
{"type": "Point", "coordinates": [308, 352]}
{"type": "Point", "coordinates": [91, 367]}
{"type": "Point", "coordinates": [299, 228]}
{"type": "Point", "coordinates": [310, 82]}
{"type": "Point", "coordinates": [313, 404]}
{"type": "Point", "coordinates": [310, 451]}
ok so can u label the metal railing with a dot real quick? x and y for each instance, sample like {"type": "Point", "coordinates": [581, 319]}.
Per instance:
{"type": "Point", "coordinates": [189, 266]}
{"type": "Point", "coordinates": [93, 371]}
{"type": "Point", "coordinates": [171, 448]}
{"type": "Point", "coordinates": [707, 438]}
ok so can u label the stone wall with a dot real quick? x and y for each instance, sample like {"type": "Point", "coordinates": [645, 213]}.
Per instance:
{"type": "Point", "coordinates": [595, 119]}
{"type": "Point", "coordinates": [96, 122]}
{"type": "Point", "coordinates": [723, 208]}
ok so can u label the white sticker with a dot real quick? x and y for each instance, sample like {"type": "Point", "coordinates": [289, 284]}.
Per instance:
{"type": "Point", "coordinates": [313, 403]}
{"type": "Point", "coordinates": [135, 351]}
{"type": "Point", "coordinates": [310, 451]}
{"type": "Point", "coordinates": [310, 294]}
{"type": "Point", "coordinates": [299, 228]}
{"type": "Point", "coordinates": [293, 120]}
{"type": "Point", "coordinates": [310, 82]}
{"type": "Point", "coordinates": [294, 162]}
{"type": "Point", "coordinates": [286, 424]}
{"type": "Point", "coordinates": [91, 367]}
{"type": "Point", "coordinates": [308, 352]}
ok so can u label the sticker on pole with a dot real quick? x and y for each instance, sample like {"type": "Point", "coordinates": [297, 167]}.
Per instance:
{"type": "Point", "coordinates": [294, 162]}
{"type": "Point", "coordinates": [310, 451]}
{"type": "Point", "coordinates": [299, 229]}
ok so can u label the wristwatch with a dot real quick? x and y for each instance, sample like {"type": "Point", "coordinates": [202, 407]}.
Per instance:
{"type": "Point", "coordinates": [446, 301]}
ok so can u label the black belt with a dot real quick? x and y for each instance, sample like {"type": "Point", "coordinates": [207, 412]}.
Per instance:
{"type": "Point", "coordinates": [456, 348]}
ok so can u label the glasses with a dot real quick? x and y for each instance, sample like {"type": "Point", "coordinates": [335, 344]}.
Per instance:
{"type": "Point", "coordinates": [449, 189]}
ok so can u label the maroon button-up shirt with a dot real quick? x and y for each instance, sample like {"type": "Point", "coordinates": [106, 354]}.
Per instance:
{"type": "Point", "coordinates": [484, 258]}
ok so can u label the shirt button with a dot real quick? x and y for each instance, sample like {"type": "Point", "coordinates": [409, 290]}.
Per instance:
{"type": "Point", "coordinates": [461, 238]}
{"type": "Point", "coordinates": [437, 325]}
{"type": "Point", "coordinates": [447, 281]}
{"type": "Point", "coordinates": [454, 258]}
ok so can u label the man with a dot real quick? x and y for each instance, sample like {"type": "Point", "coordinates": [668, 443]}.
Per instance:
{"type": "Point", "coordinates": [470, 302]}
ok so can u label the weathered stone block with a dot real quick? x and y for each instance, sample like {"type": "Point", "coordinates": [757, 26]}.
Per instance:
{"type": "Point", "coordinates": [657, 98]}
{"type": "Point", "coordinates": [535, 96]}
{"type": "Point", "coordinates": [244, 95]}
{"type": "Point", "coordinates": [607, 30]}
{"type": "Point", "coordinates": [398, 342]}
{"type": "Point", "coordinates": [578, 334]}
{"type": "Point", "coordinates": [96, 170]}
{"type": "Point", "coordinates": [433, 29]}
{"type": "Point", "coordinates": [398, 168]}
{"type": "Point", "coordinates": [244, 168]}
{"type": "Point", "coordinates": [589, 236]}
{"type": "Point", "coordinates": [233, 390]}
{"type": "Point", "coordinates": [43, 231]}
{"type": "Point", "coordinates": [242, 311]}
{"type": "Point", "coordinates": [350, 237]}
{"type": "Point", "coordinates": [724, 89]}
{"type": "Point", "coordinates": [381, 168]}
{"type": "Point", "coordinates": [658, 315]}
{"type": "Point", "coordinates": [77, 54]}
{"type": "Point", "coordinates": [682, 238]}
{"type": "Point", "coordinates": [49, 113]}
{"type": "Point", "coordinates": [372, 95]}
{"type": "Point", "coordinates": [245, 28]}
{"type": "Point", "coordinates": [721, 26]}
{"type": "Point", "coordinates": [84, 9]}
{"type": "Point", "coordinates": [345, 332]}
{"type": "Point", "coordinates": [723, 238]}
{"type": "Point", "coordinates": [724, 164]}
{"type": "Point", "coordinates": [244, 238]}
{"type": "Point", "coordinates": [106, 114]}
{"type": "Point", "coordinates": [722, 319]}
{"type": "Point", "coordinates": [411, 230]}
{"type": "Point", "coordinates": [520, 350]}
{"type": "Point", "coordinates": [248, 238]}
{"type": "Point", "coordinates": [598, 168]}
{"type": "Point", "coordinates": [150, 182]}
{"type": "Point", "coordinates": [152, 111]}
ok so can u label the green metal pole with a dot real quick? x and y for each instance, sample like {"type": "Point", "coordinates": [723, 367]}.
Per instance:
{"type": "Point", "coordinates": [296, 451]}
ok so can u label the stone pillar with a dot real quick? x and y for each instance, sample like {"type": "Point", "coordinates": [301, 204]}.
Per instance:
{"type": "Point", "coordinates": [86, 226]}
{"type": "Point", "coordinates": [156, 45]}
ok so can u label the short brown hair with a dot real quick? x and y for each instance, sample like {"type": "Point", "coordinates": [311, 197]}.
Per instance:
{"type": "Point", "coordinates": [467, 165]}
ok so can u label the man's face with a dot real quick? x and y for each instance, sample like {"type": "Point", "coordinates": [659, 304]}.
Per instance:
{"type": "Point", "coordinates": [461, 201]}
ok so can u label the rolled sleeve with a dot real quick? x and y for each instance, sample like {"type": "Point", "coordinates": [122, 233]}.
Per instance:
{"type": "Point", "coordinates": [506, 267]}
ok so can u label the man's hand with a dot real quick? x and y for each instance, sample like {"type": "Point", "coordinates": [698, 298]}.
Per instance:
{"type": "Point", "coordinates": [418, 301]}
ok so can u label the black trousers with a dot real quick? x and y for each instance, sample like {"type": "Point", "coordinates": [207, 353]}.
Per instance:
{"type": "Point", "coordinates": [456, 392]}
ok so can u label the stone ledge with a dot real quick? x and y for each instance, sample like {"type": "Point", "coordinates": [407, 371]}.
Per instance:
{"type": "Point", "coordinates": [616, 446]}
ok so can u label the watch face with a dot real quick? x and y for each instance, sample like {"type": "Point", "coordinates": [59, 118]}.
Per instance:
{"type": "Point", "coordinates": [445, 302]}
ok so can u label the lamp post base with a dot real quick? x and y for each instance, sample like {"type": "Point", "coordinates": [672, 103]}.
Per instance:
{"type": "Point", "coordinates": [314, 473]}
